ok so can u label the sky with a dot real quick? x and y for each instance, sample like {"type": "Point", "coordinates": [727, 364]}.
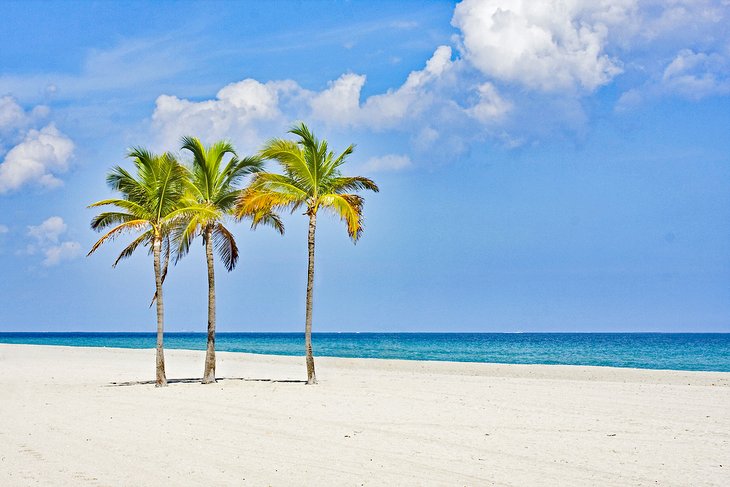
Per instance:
{"type": "Point", "coordinates": [556, 166]}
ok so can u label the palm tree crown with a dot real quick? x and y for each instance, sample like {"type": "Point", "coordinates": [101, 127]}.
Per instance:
{"type": "Point", "coordinates": [215, 189]}
{"type": "Point", "coordinates": [311, 179]}
{"type": "Point", "coordinates": [150, 202]}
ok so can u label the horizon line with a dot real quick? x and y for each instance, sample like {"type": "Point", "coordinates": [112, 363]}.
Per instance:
{"type": "Point", "coordinates": [372, 332]}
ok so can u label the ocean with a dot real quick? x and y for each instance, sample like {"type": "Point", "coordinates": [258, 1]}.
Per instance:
{"type": "Point", "coordinates": [676, 351]}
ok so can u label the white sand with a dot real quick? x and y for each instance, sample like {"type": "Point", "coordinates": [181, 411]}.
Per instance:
{"type": "Point", "coordinates": [368, 422]}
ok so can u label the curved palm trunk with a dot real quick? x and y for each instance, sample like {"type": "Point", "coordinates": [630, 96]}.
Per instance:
{"type": "Point", "coordinates": [161, 379]}
{"type": "Point", "coordinates": [311, 377]}
{"type": "Point", "coordinates": [209, 372]}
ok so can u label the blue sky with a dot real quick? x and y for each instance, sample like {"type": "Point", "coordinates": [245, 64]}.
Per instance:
{"type": "Point", "coordinates": [544, 166]}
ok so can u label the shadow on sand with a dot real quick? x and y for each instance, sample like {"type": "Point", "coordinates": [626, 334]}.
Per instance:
{"type": "Point", "coordinates": [198, 381]}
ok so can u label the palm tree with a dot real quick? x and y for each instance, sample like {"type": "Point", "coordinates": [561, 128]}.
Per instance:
{"type": "Point", "coordinates": [214, 191]}
{"type": "Point", "coordinates": [311, 178]}
{"type": "Point", "coordinates": [150, 204]}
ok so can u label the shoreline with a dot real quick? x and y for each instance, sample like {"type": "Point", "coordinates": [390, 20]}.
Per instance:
{"type": "Point", "coordinates": [368, 421]}
{"type": "Point", "coordinates": [446, 367]}
{"type": "Point", "coordinates": [329, 354]}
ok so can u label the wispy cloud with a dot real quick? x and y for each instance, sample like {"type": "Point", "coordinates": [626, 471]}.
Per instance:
{"type": "Point", "coordinates": [46, 240]}
{"type": "Point", "coordinates": [132, 66]}
{"type": "Point", "coordinates": [389, 162]}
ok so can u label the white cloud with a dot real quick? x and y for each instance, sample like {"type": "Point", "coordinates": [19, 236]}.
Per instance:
{"type": "Point", "coordinates": [49, 231]}
{"type": "Point", "coordinates": [47, 240]}
{"type": "Point", "coordinates": [524, 72]}
{"type": "Point", "coordinates": [12, 115]}
{"type": "Point", "coordinates": [697, 75]}
{"type": "Point", "coordinates": [339, 104]}
{"type": "Point", "coordinates": [63, 251]}
{"type": "Point", "coordinates": [243, 110]}
{"type": "Point", "coordinates": [390, 162]}
{"type": "Point", "coordinates": [689, 74]}
{"type": "Point", "coordinates": [412, 98]}
{"type": "Point", "coordinates": [237, 112]}
{"type": "Point", "coordinates": [425, 138]}
{"type": "Point", "coordinates": [37, 159]}
{"type": "Point", "coordinates": [4, 229]}
{"type": "Point", "coordinates": [14, 120]}
{"type": "Point", "coordinates": [681, 21]}
{"type": "Point", "coordinates": [541, 45]}
{"type": "Point", "coordinates": [491, 107]}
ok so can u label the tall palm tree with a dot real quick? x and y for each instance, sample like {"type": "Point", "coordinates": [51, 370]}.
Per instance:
{"type": "Point", "coordinates": [214, 190]}
{"type": "Point", "coordinates": [311, 179]}
{"type": "Point", "coordinates": [150, 205]}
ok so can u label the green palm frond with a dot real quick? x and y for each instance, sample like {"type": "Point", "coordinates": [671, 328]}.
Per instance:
{"type": "Point", "coordinates": [279, 183]}
{"type": "Point", "coordinates": [225, 246]}
{"type": "Point", "coordinates": [235, 171]}
{"type": "Point", "coordinates": [149, 202]}
{"type": "Point", "coordinates": [268, 218]}
{"type": "Point", "coordinates": [291, 158]}
{"type": "Point", "coordinates": [341, 185]}
{"type": "Point", "coordinates": [213, 193]}
{"type": "Point", "coordinates": [184, 233]}
{"type": "Point", "coordinates": [166, 245]}
{"type": "Point", "coordinates": [144, 240]}
{"type": "Point", "coordinates": [311, 178]}
{"type": "Point", "coordinates": [133, 208]}
{"type": "Point", "coordinates": [109, 218]}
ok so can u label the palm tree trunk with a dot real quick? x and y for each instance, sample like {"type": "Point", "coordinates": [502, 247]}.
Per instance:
{"type": "Point", "coordinates": [161, 380]}
{"type": "Point", "coordinates": [209, 373]}
{"type": "Point", "coordinates": [311, 377]}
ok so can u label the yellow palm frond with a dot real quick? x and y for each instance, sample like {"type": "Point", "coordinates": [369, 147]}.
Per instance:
{"type": "Point", "coordinates": [118, 230]}
{"type": "Point", "coordinates": [349, 208]}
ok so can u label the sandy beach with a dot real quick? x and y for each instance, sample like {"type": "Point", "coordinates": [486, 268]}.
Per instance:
{"type": "Point", "coordinates": [368, 422]}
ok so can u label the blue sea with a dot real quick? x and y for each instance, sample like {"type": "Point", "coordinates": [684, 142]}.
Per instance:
{"type": "Point", "coordinates": [677, 351]}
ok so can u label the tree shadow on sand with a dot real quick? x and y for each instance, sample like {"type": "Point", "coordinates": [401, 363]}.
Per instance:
{"type": "Point", "coordinates": [194, 380]}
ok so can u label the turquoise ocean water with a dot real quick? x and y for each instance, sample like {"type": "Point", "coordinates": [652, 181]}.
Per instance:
{"type": "Point", "coordinates": [678, 351]}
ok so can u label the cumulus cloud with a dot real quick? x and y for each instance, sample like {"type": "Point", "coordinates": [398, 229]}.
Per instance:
{"type": "Point", "coordinates": [12, 115]}
{"type": "Point", "coordinates": [239, 110]}
{"type": "Point", "coordinates": [340, 104]}
{"type": "Point", "coordinates": [49, 231]}
{"type": "Point", "coordinates": [37, 159]}
{"type": "Point", "coordinates": [680, 21]}
{"type": "Point", "coordinates": [15, 120]}
{"type": "Point", "coordinates": [46, 240]}
{"type": "Point", "coordinates": [518, 70]}
{"type": "Point", "coordinates": [541, 45]}
{"type": "Point", "coordinates": [389, 162]}
{"type": "Point", "coordinates": [697, 75]}
{"type": "Point", "coordinates": [491, 106]}
{"type": "Point", "coordinates": [437, 105]}
{"type": "Point", "coordinates": [244, 110]}
{"type": "Point", "coordinates": [63, 251]}
{"type": "Point", "coordinates": [689, 74]}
